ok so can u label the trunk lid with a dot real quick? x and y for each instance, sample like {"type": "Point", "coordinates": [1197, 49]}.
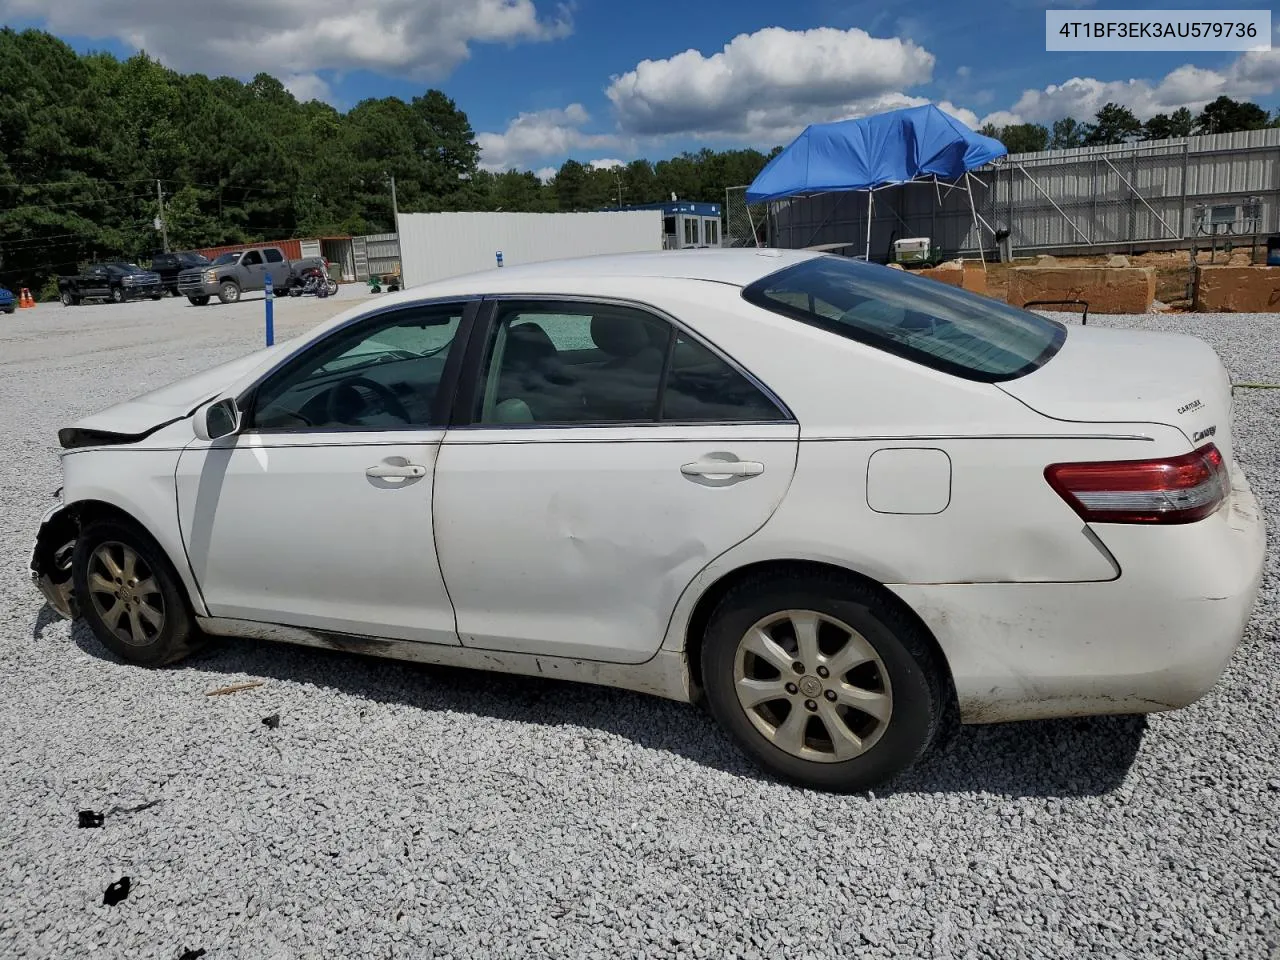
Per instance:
{"type": "Point", "coordinates": [1123, 376]}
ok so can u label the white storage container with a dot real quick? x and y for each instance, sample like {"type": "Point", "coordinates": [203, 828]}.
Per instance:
{"type": "Point", "coordinates": [912, 250]}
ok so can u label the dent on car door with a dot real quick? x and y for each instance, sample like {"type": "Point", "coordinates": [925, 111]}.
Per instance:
{"type": "Point", "coordinates": [318, 514]}
{"type": "Point", "coordinates": [603, 459]}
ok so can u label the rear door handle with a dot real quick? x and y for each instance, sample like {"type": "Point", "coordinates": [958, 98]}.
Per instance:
{"type": "Point", "coordinates": [392, 470]}
{"type": "Point", "coordinates": [723, 468]}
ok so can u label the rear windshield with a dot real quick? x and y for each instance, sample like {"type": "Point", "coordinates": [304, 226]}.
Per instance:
{"type": "Point", "coordinates": [932, 323]}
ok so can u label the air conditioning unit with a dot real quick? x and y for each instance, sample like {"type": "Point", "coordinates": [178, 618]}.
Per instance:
{"type": "Point", "coordinates": [912, 250]}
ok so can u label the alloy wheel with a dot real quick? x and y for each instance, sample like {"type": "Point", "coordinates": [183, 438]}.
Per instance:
{"type": "Point", "coordinates": [125, 594]}
{"type": "Point", "coordinates": [812, 686]}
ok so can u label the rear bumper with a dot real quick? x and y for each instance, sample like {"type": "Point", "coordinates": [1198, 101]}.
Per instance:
{"type": "Point", "coordinates": [1157, 638]}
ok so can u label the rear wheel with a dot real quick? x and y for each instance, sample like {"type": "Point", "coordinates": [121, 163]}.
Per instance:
{"type": "Point", "coordinates": [199, 301]}
{"type": "Point", "coordinates": [229, 292]}
{"type": "Point", "coordinates": [130, 595]}
{"type": "Point", "coordinates": [825, 682]}
{"type": "Point", "coordinates": [68, 300]}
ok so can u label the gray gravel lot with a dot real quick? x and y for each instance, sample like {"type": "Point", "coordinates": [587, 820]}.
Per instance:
{"type": "Point", "coordinates": [405, 811]}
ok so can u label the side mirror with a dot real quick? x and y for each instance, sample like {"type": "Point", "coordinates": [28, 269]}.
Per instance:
{"type": "Point", "coordinates": [218, 419]}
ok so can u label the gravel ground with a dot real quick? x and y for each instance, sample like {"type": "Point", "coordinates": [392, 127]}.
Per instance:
{"type": "Point", "coordinates": [404, 811]}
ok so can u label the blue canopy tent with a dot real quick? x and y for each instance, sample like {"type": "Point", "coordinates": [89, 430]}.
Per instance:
{"type": "Point", "coordinates": [871, 153]}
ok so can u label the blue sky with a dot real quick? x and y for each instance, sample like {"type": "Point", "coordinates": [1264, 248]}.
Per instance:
{"type": "Point", "coordinates": [603, 80]}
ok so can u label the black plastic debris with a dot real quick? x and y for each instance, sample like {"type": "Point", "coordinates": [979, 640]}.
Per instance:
{"type": "Point", "coordinates": [272, 721]}
{"type": "Point", "coordinates": [116, 892]}
{"type": "Point", "coordinates": [192, 954]}
{"type": "Point", "coordinates": [90, 819]}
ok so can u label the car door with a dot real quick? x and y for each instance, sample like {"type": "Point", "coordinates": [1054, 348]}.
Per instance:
{"type": "Point", "coordinates": [253, 271]}
{"type": "Point", "coordinates": [97, 282]}
{"type": "Point", "coordinates": [601, 455]}
{"type": "Point", "coordinates": [275, 267]}
{"type": "Point", "coordinates": [318, 513]}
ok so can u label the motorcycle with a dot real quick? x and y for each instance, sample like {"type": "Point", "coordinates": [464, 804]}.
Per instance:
{"type": "Point", "coordinates": [313, 282]}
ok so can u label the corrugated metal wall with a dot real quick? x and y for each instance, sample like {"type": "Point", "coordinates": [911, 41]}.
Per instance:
{"type": "Point", "coordinates": [438, 245]}
{"type": "Point", "coordinates": [384, 254]}
{"type": "Point", "coordinates": [292, 249]}
{"type": "Point", "coordinates": [1104, 197]}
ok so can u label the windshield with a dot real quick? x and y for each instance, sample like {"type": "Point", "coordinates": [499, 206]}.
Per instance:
{"type": "Point", "coordinates": [227, 258]}
{"type": "Point", "coordinates": [193, 259]}
{"type": "Point", "coordinates": [126, 267]}
{"type": "Point", "coordinates": [931, 323]}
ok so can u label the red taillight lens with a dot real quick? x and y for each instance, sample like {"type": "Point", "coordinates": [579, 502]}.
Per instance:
{"type": "Point", "coordinates": [1177, 490]}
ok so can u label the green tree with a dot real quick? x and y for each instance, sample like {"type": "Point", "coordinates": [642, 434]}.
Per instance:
{"type": "Point", "coordinates": [1067, 133]}
{"type": "Point", "coordinates": [1165, 126]}
{"type": "Point", "coordinates": [1113, 124]}
{"type": "Point", "coordinates": [570, 185]}
{"type": "Point", "coordinates": [1225, 115]}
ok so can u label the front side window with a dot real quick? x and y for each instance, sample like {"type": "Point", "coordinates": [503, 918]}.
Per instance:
{"type": "Point", "coordinates": [931, 323]}
{"type": "Point", "coordinates": [251, 259]}
{"type": "Point", "coordinates": [581, 363]}
{"type": "Point", "coordinates": [378, 375]}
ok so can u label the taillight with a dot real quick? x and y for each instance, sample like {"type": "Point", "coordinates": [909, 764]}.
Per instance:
{"type": "Point", "coordinates": [1174, 490]}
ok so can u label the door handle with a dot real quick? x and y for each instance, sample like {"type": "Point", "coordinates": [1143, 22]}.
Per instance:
{"type": "Point", "coordinates": [723, 468]}
{"type": "Point", "coordinates": [391, 470]}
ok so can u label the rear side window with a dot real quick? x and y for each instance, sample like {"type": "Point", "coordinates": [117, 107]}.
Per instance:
{"type": "Point", "coordinates": [931, 323]}
{"type": "Point", "coordinates": [273, 256]}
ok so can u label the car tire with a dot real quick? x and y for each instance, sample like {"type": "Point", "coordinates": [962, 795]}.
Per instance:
{"type": "Point", "coordinates": [157, 296]}
{"type": "Point", "coordinates": [152, 626]}
{"type": "Point", "coordinates": [117, 295]}
{"type": "Point", "coordinates": [896, 676]}
{"type": "Point", "coordinates": [199, 301]}
{"type": "Point", "coordinates": [67, 299]}
{"type": "Point", "coordinates": [229, 292]}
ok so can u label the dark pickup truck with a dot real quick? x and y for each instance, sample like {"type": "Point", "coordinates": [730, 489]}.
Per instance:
{"type": "Point", "coordinates": [169, 265]}
{"type": "Point", "coordinates": [116, 281]}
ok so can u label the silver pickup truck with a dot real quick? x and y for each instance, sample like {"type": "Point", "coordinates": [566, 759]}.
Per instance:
{"type": "Point", "coordinates": [234, 273]}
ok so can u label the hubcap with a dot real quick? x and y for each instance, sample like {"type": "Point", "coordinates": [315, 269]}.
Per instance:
{"type": "Point", "coordinates": [841, 703]}
{"type": "Point", "coordinates": [125, 595]}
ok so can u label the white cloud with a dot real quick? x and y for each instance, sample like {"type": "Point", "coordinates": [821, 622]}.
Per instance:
{"type": "Point", "coordinates": [421, 38]}
{"type": "Point", "coordinates": [1251, 74]}
{"type": "Point", "coordinates": [541, 134]}
{"type": "Point", "coordinates": [307, 86]}
{"type": "Point", "coordinates": [760, 80]}
{"type": "Point", "coordinates": [546, 174]}
{"type": "Point", "coordinates": [963, 72]}
{"type": "Point", "coordinates": [607, 163]}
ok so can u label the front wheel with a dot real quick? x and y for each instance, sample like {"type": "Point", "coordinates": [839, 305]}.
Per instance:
{"type": "Point", "coordinates": [229, 292]}
{"type": "Point", "coordinates": [199, 301]}
{"type": "Point", "coordinates": [68, 300]}
{"type": "Point", "coordinates": [117, 295]}
{"type": "Point", "coordinates": [332, 286]}
{"type": "Point", "coordinates": [825, 682]}
{"type": "Point", "coordinates": [130, 595]}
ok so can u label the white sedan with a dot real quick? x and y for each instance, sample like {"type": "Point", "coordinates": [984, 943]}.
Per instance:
{"type": "Point", "coordinates": [843, 505]}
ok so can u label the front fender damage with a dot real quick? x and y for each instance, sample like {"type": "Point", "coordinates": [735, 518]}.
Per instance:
{"type": "Point", "coordinates": [51, 559]}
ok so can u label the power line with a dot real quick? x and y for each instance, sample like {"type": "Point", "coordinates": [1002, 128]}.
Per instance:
{"type": "Point", "coordinates": [73, 203]}
{"type": "Point", "coordinates": [73, 183]}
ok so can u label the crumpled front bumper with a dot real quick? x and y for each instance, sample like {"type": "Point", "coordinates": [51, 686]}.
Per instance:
{"type": "Point", "coordinates": [51, 560]}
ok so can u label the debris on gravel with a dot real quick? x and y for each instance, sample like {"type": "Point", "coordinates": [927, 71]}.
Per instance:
{"type": "Point", "coordinates": [407, 811]}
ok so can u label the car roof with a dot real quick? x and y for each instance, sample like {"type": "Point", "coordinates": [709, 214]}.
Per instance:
{"type": "Point", "coordinates": [738, 266]}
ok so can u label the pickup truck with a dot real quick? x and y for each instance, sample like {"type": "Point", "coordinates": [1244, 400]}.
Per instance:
{"type": "Point", "coordinates": [169, 265]}
{"type": "Point", "coordinates": [116, 281]}
{"type": "Point", "coordinates": [233, 273]}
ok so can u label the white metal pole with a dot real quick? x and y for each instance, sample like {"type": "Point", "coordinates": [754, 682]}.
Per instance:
{"type": "Point", "coordinates": [976, 229]}
{"type": "Point", "coordinates": [871, 206]}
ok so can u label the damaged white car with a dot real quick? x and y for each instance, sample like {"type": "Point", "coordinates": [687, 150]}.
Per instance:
{"type": "Point", "coordinates": [843, 505]}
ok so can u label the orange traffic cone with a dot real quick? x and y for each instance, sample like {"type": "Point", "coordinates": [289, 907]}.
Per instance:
{"type": "Point", "coordinates": [25, 300]}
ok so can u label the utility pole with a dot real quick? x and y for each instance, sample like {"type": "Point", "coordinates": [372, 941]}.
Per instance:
{"type": "Point", "coordinates": [164, 226]}
{"type": "Point", "coordinates": [395, 208]}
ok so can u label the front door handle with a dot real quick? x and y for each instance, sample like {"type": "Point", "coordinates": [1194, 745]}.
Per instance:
{"type": "Point", "coordinates": [396, 470]}
{"type": "Point", "coordinates": [723, 468]}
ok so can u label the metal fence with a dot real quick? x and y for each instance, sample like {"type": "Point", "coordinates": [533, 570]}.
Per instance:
{"type": "Point", "coordinates": [1168, 194]}
{"type": "Point", "coordinates": [744, 223]}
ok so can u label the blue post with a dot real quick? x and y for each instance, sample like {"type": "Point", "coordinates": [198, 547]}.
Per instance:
{"type": "Point", "coordinates": [271, 328]}
{"type": "Point", "coordinates": [499, 258]}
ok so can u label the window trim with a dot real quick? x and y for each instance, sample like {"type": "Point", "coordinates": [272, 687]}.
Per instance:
{"type": "Point", "coordinates": [440, 404]}
{"type": "Point", "coordinates": [461, 416]}
{"type": "Point", "coordinates": [754, 293]}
